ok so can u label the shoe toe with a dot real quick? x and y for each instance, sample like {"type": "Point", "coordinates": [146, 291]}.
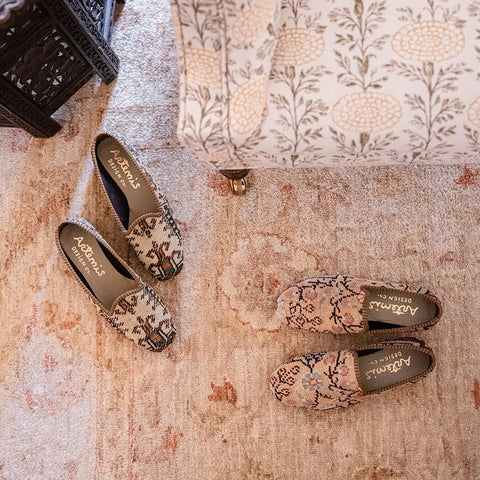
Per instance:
{"type": "Point", "coordinates": [317, 381]}
{"type": "Point", "coordinates": [302, 308]}
{"type": "Point", "coordinates": [160, 340]}
{"type": "Point", "coordinates": [286, 385]}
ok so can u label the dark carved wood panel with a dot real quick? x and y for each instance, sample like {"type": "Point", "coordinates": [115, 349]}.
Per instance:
{"type": "Point", "coordinates": [5, 122]}
{"type": "Point", "coordinates": [47, 66]}
{"type": "Point", "coordinates": [19, 31]}
{"type": "Point", "coordinates": [101, 15]}
{"type": "Point", "coordinates": [24, 113]}
{"type": "Point", "coordinates": [50, 50]}
{"type": "Point", "coordinates": [84, 34]}
{"type": "Point", "coordinates": [97, 11]}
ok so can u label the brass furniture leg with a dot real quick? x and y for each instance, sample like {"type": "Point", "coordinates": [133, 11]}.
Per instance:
{"type": "Point", "coordinates": [237, 179]}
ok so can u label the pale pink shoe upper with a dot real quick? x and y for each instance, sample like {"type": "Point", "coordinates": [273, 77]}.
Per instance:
{"type": "Point", "coordinates": [318, 381]}
{"type": "Point", "coordinates": [334, 304]}
{"type": "Point", "coordinates": [326, 380]}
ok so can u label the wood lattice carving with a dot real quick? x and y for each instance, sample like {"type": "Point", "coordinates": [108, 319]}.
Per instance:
{"type": "Point", "coordinates": [48, 50]}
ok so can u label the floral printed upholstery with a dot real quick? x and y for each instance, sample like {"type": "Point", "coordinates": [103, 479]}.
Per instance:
{"type": "Point", "coordinates": [268, 83]}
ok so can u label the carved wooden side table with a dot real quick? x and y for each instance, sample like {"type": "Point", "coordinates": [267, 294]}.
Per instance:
{"type": "Point", "coordinates": [48, 50]}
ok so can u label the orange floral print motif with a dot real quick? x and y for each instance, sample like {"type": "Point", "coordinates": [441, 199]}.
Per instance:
{"type": "Point", "coordinates": [296, 96]}
{"type": "Point", "coordinates": [336, 105]}
{"type": "Point", "coordinates": [203, 66]}
{"type": "Point", "coordinates": [474, 112]}
{"type": "Point", "coordinates": [428, 41]}
{"type": "Point", "coordinates": [247, 104]}
{"type": "Point", "coordinates": [197, 25]}
{"type": "Point", "coordinates": [298, 46]}
{"type": "Point", "coordinates": [253, 23]}
{"type": "Point", "coordinates": [366, 112]}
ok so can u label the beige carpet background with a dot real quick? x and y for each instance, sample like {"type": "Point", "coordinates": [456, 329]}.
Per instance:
{"type": "Point", "coordinates": [78, 401]}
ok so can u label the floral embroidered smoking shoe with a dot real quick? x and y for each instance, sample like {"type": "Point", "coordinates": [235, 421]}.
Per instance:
{"type": "Point", "coordinates": [321, 381]}
{"type": "Point", "coordinates": [117, 292]}
{"type": "Point", "coordinates": [142, 211]}
{"type": "Point", "coordinates": [342, 304]}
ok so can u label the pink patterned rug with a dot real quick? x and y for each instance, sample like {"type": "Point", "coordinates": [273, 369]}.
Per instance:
{"type": "Point", "coordinates": [79, 401]}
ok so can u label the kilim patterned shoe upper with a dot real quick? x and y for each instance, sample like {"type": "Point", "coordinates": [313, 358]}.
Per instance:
{"type": "Point", "coordinates": [142, 211]}
{"type": "Point", "coordinates": [116, 291]}
{"type": "Point", "coordinates": [342, 304]}
{"type": "Point", "coordinates": [338, 379]}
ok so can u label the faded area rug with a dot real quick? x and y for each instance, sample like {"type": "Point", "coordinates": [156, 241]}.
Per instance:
{"type": "Point", "coordinates": [79, 401]}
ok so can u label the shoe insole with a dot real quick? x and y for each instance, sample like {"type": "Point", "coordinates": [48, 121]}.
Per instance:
{"type": "Point", "coordinates": [128, 181]}
{"type": "Point", "coordinates": [105, 277]}
{"type": "Point", "coordinates": [386, 367]}
{"type": "Point", "coordinates": [399, 308]}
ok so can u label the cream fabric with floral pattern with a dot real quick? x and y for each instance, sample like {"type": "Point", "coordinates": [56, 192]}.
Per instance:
{"type": "Point", "coordinates": [305, 83]}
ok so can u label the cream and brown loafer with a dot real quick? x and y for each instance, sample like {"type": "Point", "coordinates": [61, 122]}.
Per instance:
{"type": "Point", "coordinates": [117, 292]}
{"type": "Point", "coordinates": [342, 304]}
{"type": "Point", "coordinates": [326, 380]}
{"type": "Point", "coordinates": [142, 211]}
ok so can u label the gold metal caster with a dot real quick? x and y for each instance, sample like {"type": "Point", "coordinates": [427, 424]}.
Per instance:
{"type": "Point", "coordinates": [239, 186]}
{"type": "Point", "coordinates": [237, 179]}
